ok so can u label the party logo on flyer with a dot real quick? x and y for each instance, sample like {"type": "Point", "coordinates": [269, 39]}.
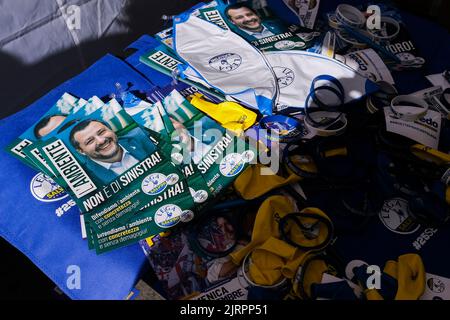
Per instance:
{"type": "Point", "coordinates": [168, 216]}
{"type": "Point", "coordinates": [156, 183]}
{"type": "Point", "coordinates": [285, 76]}
{"type": "Point", "coordinates": [44, 189]}
{"type": "Point", "coordinates": [233, 164]}
{"type": "Point", "coordinates": [395, 216]}
{"type": "Point", "coordinates": [435, 285]}
{"type": "Point", "coordinates": [199, 196]}
{"type": "Point", "coordinates": [285, 45]}
{"type": "Point", "coordinates": [226, 62]}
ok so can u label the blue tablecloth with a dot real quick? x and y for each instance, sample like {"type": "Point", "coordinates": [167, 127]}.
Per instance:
{"type": "Point", "coordinates": [54, 243]}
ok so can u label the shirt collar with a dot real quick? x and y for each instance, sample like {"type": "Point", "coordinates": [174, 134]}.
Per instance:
{"type": "Point", "coordinates": [108, 165]}
{"type": "Point", "coordinates": [252, 33]}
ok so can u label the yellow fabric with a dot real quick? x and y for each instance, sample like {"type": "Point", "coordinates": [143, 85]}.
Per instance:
{"type": "Point", "coordinates": [266, 226]}
{"type": "Point", "coordinates": [410, 277]}
{"type": "Point", "coordinates": [313, 274]}
{"type": "Point", "coordinates": [409, 272]}
{"type": "Point", "coordinates": [291, 266]}
{"type": "Point", "coordinates": [430, 154]}
{"type": "Point", "coordinates": [251, 184]}
{"type": "Point", "coordinates": [304, 162]}
{"type": "Point", "coordinates": [273, 258]}
{"type": "Point", "coordinates": [294, 232]}
{"type": "Point", "coordinates": [372, 294]}
{"type": "Point", "coordinates": [447, 195]}
{"type": "Point", "coordinates": [230, 115]}
{"type": "Point", "coordinates": [268, 260]}
{"type": "Point", "coordinates": [336, 152]}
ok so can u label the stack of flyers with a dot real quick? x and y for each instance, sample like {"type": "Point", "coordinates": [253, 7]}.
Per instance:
{"type": "Point", "coordinates": [133, 168]}
{"type": "Point", "coordinates": [259, 26]}
{"type": "Point", "coordinates": [165, 60]}
{"type": "Point", "coordinates": [256, 24]}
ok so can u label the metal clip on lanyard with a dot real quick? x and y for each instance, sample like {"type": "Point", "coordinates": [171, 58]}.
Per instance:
{"type": "Point", "coordinates": [409, 108]}
{"type": "Point", "coordinates": [298, 148]}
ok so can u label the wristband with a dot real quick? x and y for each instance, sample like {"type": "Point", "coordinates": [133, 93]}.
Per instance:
{"type": "Point", "coordinates": [378, 34]}
{"type": "Point", "coordinates": [409, 108]}
{"type": "Point", "coordinates": [326, 130]}
{"type": "Point", "coordinates": [350, 15]}
{"type": "Point", "coordinates": [382, 98]}
{"type": "Point", "coordinates": [348, 39]}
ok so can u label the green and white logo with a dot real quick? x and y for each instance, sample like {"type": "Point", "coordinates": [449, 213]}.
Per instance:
{"type": "Point", "coordinates": [168, 216]}
{"type": "Point", "coordinates": [156, 183]}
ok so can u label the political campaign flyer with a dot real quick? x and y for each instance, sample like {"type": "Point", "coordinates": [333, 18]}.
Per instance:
{"type": "Point", "coordinates": [145, 114]}
{"type": "Point", "coordinates": [165, 37]}
{"type": "Point", "coordinates": [44, 126]}
{"type": "Point", "coordinates": [80, 109]}
{"type": "Point", "coordinates": [218, 154]}
{"type": "Point", "coordinates": [111, 168]}
{"type": "Point", "coordinates": [151, 119]}
{"type": "Point", "coordinates": [152, 220]}
{"type": "Point", "coordinates": [259, 26]}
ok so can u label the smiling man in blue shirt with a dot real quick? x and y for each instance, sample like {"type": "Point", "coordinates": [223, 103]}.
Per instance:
{"type": "Point", "coordinates": [249, 24]}
{"type": "Point", "coordinates": [107, 155]}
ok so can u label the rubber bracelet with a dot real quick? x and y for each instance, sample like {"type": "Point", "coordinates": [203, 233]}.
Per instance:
{"type": "Point", "coordinates": [324, 130]}
{"type": "Point", "coordinates": [382, 98]}
{"type": "Point", "coordinates": [386, 21]}
{"type": "Point", "coordinates": [334, 86]}
{"type": "Point", "coordinates": [291, 150]}
{"type": "Point", "coordinates": [344, 36]}
{"type": "Point", "coordinates": [350, 15]}
{"type": "Point", "coordinates": [245, 264]}
{"type": "Point", "coordinates": [333, 22]}
{"type": "Point", "coordinates": [445, 98]}
{"type": "Point", "coordinates": [409, 108]}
